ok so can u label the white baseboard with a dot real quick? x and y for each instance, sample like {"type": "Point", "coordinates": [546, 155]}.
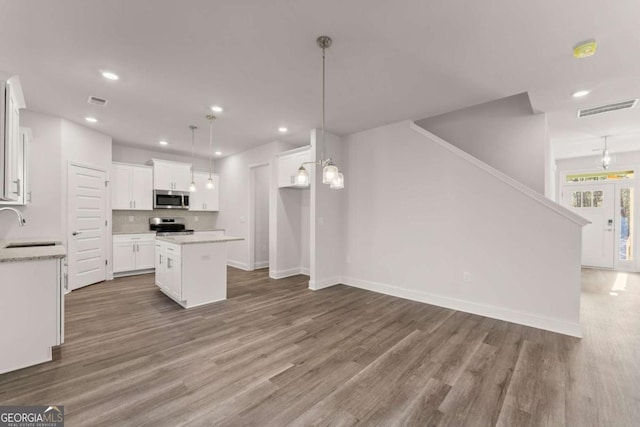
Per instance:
{"type": "Point", "coordinates": [305, 271]}
{"type": "Point", "coordinates": [281, 274]}
{"type": "Point", "coordinates": [316, 285]}
{"type": "Point", "coordinates": [237, 264]}
{"type": "Point", "coordinates": [260, 264]}
{"type": "Point", "coordinates": [527, 319]}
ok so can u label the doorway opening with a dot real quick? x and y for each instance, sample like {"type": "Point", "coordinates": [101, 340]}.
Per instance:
{"type": "Point", "coordinates": [608, 200]}
{"type": "Point", "coordinates": [258, 242]}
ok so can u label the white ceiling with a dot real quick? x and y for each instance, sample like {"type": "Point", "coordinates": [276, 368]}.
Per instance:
{"type": "Point", "coordinates": [391, 60]}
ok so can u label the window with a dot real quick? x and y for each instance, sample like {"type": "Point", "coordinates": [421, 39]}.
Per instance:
{"type": "Point", "coordinates": [600, 176]}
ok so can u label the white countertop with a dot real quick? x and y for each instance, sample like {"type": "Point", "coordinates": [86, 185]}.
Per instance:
{"type": "Point", "coordinates": [32, 253]}
{"type": "Point", "coordinates": [195, 238]}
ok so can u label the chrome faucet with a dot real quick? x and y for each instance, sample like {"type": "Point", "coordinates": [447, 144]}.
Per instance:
{"type": "Point", "coordinates": [21, 220]}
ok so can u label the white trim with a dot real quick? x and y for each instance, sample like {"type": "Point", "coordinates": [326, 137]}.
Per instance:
{"type": "Point", "coordinates": [260, 264]}
{"type": "Point", "coordinates": [316, 285]}
{"type": "Point", "coordinates": [305, 271]}
{"type": "Point", "coordinates": [251, 223]}
{"type": "Point", "coordinates": [238, 264]}
{"type": "Point", "coordinates": [573, 217]}
{"type": "Point", "coordinates": [281, 274]}
{"type": "Point", "coordinates": [521, 318]}
{"type": "Point", "coordinates": [294, 151]}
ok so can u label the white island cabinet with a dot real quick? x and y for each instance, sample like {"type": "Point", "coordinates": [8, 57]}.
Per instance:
{"type": "Point", "coordinates": [31, 301]}
{"type": "Point", "coordinates": [192, 269]}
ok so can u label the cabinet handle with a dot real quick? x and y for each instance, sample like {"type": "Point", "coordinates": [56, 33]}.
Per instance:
{"type": "Point", "coordinates": [29, 197]}
{"type": "Point", "coordinates": [160, 261]}
{"type": "Point", "coordinates": [168, 262]}
{"type": "Point", "coordinates": [17, 192]}
{"type": "Point", "coordinates": [134, 204]}
{"type": "Point", "coordinates": [66, 281]}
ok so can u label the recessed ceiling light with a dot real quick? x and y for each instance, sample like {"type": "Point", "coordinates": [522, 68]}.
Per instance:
{"type": "Point", "coordinates": [163, 142]}
{"type": "Point", "coordinates": [218, 153]}
{"type": "Point", "coordinates": [282, 129]}
{"type": "Point", "coordinates": [217, 109]}
{"type": "Point", "coordinates": [109, 75]}
{"type": "Point", "coordinates": [91, 119]}
{"type": "Point", "coordinates": [580, 93]}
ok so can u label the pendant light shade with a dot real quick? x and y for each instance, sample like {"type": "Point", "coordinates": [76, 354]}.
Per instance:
{"type": "Point", "coordinates": [192, 187]}
{"type": "Point", "coordinates": [606, 159]}
{"type": "Point", "coordinates": [302, 177]}
{"type": "Point", "coordinates": [210, 184]}
{"type": "Point", "coordinates": [329, 173]}
{"type": "Point", "coordinates": [338, 182]}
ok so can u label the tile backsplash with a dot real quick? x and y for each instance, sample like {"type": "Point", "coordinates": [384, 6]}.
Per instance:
{"type": "Point", "coordinates": [138, 221]}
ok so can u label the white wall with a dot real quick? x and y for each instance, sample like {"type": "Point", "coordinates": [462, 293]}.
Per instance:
{"type": "Point", "coordinates": [261, 215]}
{"type": "Point", "coordinates": [140, 156]}
{"type": "Point", "coordinates": [420, 214]}
{"type": "Point", "coordinates": [505, 134]}
{"type": "Point", "coordinates": [328, 215]}
{"type": "Point", "coordinates": [43, 215]}
{"type": "Point", "coordinates": [234, 196]}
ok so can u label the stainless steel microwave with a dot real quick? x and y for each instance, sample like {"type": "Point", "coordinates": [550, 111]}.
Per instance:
{"type": "Point", "coordinates": [163, 199]}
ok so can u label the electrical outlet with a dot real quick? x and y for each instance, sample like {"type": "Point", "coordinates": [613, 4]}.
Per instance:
{"type": "Point", "coordinates": [466, 276]}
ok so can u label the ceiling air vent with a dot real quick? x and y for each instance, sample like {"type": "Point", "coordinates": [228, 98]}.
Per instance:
{"type": "Point", "coordinates": [97, 101]}
{"type": "Point", "coordinates": [586, 112]}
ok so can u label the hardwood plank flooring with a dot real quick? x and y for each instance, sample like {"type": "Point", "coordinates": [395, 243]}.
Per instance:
{"type": "Point", "coordinates": [276, 353]}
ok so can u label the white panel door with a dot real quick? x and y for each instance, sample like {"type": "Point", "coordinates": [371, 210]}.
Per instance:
{"type": "Point", "coordinates": [86, 226]}
{"type": "Point", "coordinates": [121, 187]}
{"type": "Point", "coordinates": [142, 188]}
{"type": "Point", "coordinates": [594, 202]}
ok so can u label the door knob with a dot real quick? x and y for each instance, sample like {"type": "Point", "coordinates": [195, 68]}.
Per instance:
{"type": "Point", "coordinates": [75, 233]}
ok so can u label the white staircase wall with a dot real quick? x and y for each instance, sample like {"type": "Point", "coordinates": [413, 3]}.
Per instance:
{"type": "Point", "coordinates": [421, 212]}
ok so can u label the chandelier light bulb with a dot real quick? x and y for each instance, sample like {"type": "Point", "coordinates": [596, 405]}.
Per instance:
{"type": "Point", "coordinates": [210, 184]}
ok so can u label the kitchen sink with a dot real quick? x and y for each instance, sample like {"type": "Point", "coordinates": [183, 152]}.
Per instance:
{"type": "Point", "coordinates": [29, 245]}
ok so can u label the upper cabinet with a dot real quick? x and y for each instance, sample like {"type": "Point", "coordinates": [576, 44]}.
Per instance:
{"type": "Point", "coordinates": [131, 187]}
{"type": "Point", "coordinates": [171, 175]}
{"type": "Point", "coordinates": [205, 199]}
{"type": "Point", "coordinates": [21, 171]}
{"type": "Point", "coordinates": [11, 150]}
{"type": "Point", "coordinates": [288, 164]}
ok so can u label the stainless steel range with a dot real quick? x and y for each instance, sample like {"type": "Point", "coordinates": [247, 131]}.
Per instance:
{"type": "Point", "coordinates": [169, 226]}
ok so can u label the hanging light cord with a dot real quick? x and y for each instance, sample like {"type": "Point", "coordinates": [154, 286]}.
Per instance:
{"type": "Point", "coordinates": [323, 101]}
{"type": "Point", "coordinates": [193, 145]}
{"type": "Point", "coordinates": [210, 147]}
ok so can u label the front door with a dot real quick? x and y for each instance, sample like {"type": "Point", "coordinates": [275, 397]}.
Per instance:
{"type": "Point", "coordinates": [595, 202]}
{"type": "Point", "coordinates": [86, 226]}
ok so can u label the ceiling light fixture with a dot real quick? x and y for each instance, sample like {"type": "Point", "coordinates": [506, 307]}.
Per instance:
{"type": "Point", "coordinates": [580, 93]}
{"type": "Point", "coordinates": [109, 75]}
{"type": "Point", "coordinates": [217, 109]}
{"type": "Point", "coordinates": [606, 159]}
{"type": "Point", "coordinates": [585, 49]}
{"type": "Point", "coordinates": [218, 153]}
{"type": "Point", "coordinates": [91, 119]}
{"type": "Point", "coordinates": [282, 129]}
{"type": "Point", "coordinates": [210, 183]}
{"type": "Point", "coordinates": [163, 142]}
{"type": "Point", "coordinates": [330, 173]}
{"type": "Point", "coordinates": [192, 187]}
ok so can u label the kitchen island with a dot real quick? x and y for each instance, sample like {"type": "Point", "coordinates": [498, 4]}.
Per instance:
{"type": "Point", "coordinates": [192, 269]}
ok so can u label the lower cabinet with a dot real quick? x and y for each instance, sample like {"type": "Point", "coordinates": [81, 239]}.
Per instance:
{"type": "Point", "coordinates": [169, 269]}
{"type": "Point", "coordinates": [133, 253]}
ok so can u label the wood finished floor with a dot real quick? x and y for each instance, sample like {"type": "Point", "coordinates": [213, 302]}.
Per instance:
{"type": "Point", "coordinates": [276, 353]}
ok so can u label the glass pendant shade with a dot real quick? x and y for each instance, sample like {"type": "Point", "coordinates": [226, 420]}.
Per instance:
{"type": "Point", "coordinates": [210, 184]}
{"type": "Point", "coordinates": [192, 187]}
{"type": "Point", "coordinates": [338, 182]}
{"type": "Point", "coordinates": [606, 159]}
{"type": "Point", "coordinates": [302, 177]}
{"type": "Point", "coordinates": [329, 173]}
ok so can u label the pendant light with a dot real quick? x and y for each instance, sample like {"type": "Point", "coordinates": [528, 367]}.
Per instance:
{"type": "Point", "coordinates": [192, 187]}
{"type": "Point", "coordinates": [210, 183]}
{"type": "Point", "coordinates": [606, 159]}
{"type": "Point", "coordinates": [330, 173]}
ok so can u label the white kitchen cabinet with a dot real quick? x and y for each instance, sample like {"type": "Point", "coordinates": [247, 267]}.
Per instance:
{"type": "Point", "coordinates": [11, 159]}
{"type": "Point", "coordinates": [171, 175]}
{"type": "Point", "coordinates": [205, 199]}
{"type": "Point", "coordinates": [169, 269]}
{"type": "Point", "coordinates": [131, 187]}
{"type": "Point", "coordinates": [288, 164]}
{"type": "Point", "coordinates": [133, 253]}
{"type": "Point", "coordinates": [23, 182]}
